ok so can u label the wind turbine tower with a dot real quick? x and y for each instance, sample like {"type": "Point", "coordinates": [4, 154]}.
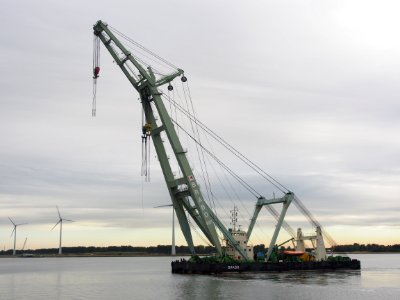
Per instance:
{"type": "Point", "coordinates": [60, 221]}
{"type": "Point", "coordinates": [173, 251]}
{"type": "Point", "coordinates": [15, 233]}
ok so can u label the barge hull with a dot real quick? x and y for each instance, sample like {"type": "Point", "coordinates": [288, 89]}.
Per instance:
{"type": "Point", "coordinates": [186, 267]}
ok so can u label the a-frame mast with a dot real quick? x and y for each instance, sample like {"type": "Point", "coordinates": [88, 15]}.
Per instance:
{"type": "Point", "coordinates": [182, 189]}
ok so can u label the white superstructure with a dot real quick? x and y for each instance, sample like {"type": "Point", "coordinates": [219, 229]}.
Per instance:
{"type": "Point", "coordinates": [317, 241]}
{"type": "Point", "coordinates": [240, 237]}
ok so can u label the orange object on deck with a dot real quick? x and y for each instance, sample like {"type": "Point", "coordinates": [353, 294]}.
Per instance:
{"type": "Point", "coordinates": [291, 252]}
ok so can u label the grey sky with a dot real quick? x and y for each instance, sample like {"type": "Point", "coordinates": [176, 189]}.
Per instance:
{"type": "Point", "coordinates": [308, 90]}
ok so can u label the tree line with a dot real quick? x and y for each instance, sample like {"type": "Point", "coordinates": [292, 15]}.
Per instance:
{"type": "Point", "coordinates": [181, 250]}
{"type": "Point", "coordinates": [159, 249]}
{"type": "Point", "coordinates": [367, 248]}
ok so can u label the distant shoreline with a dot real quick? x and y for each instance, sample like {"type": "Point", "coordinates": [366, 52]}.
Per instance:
{"type": "Point", "coordinates": [146, 255]}
{"type": "Point", "coordinates": [94, 255]}
{"type": "Point", "coordinates": [366, 252]}
{"type": "Point", "coordinates": [165, 250]}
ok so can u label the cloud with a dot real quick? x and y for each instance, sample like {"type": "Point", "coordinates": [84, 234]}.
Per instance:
{"type": "Point", "coordinates": [306, 91]}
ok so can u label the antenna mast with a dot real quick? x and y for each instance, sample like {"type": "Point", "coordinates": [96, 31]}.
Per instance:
{"type": "Point", "coordinates": [234, 219]}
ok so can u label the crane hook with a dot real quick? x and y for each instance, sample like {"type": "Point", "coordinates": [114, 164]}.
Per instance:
{"type": "Point", "coordinates": [96, 72]}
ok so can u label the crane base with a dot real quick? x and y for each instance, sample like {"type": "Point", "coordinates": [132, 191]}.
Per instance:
{"type": "Point", "coordinates": [186, 267]}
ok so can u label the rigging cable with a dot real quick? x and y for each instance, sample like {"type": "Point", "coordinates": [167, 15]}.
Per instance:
{"type": "Point", "coordinates": [174, 115]}
{"type": "Point", "coordinates": [148, 159]}
{"type": "Point", "coordinates": [272, 210]}
{"type": "Point", "coordinates": [204, 160]}
{"type": "Point", "coordinates": [143, 147]}
{"type": "Point", "coordinates": [142, 47]}
{"type": "Point", "coordinates": [205, 240]}
{"type": "Point", "coordinates": [237, 177]}
{"type": "Point", "coordinates": [230, 148]}
{"type": "Point", "coordinates": [232, 200]}
{"type": "Point", "coordinates": [96, 70]}
{"type": "Point", "coordinates": [176, 105]}
{"type": "Point", "coordinates": [313, 221]}
{"type": "Point", "coordinates": [196, 135]}
{"type": "Point", "coordinates": [269, 178]}
{"type": "Point", "coordinates": [146, 135]}
{"type": "Point", "coordinates": [132, 73]}
{"type": "Point", "coordinates": [143, 61]}
{"type": "Point", "coordinates": [285, 225]}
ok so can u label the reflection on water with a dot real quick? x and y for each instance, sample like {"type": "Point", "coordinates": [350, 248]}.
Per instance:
{"type": "Point", "coordinates": [259, 285]}
{"type": "Point", "coordinates": [300, 277]}
{"type": "Point", "coordinates": [151, 278]}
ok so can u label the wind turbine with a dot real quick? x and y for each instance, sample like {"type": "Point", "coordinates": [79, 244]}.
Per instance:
{"type": "Point", "coordinates": [15, 233]}
{"type": "Point", "coordinates": [60, 221]}
{"type": "Point", "coordinates": [173, 251]}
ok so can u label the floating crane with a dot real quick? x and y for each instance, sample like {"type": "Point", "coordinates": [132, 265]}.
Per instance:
{"type": "Point", "coordinates": [184, 190]}
{"type": "Point", "coordinates": [185, 187]}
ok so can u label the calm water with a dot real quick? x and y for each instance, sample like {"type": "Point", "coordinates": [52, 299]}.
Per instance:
{"type": "Point", "coordinates": [150, 278]}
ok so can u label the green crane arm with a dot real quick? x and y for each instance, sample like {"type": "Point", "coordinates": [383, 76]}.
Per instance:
{"type": "Point", "coordinates": [180, 189]}
{"type": "Point", "coordinates": [266, 202]}
{"type": "Point", "coordinates": [285, 200]}
{"type": "Point", "coordinates": [281, 244]}
{"type": "Point", "coordinates": [169, 78]}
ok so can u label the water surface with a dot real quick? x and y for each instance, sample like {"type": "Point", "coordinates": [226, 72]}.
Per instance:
{"type": "Point", "coordinates": [151, 278]}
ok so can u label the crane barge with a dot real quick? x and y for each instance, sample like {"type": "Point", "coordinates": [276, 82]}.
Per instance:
{"type": "Point", "coordinates": [233, 254]}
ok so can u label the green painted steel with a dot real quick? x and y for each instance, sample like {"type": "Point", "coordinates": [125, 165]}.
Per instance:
{"type": "Point", "coordinates": [287, 199]}
{"type": "Point", "coordinates": [260, 203]}
{"type": "Point", "coordinates": [182, 188]}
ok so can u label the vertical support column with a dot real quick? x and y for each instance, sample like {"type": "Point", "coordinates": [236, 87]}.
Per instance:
{"type": "Point", "coordinates": [15, 239]}
{"type": "Point", "coordinates": [184, 223]}
{"type": "Point", "coordinates": [253, 220]}
{"type": "Point", "coordinates": [285, 207]}
{"type": "Point", "coordinates": [300, 241]}
{"type": "Point", "coordinates": [320, 251]}
{"type": "Point", "coordinates": [60, 245]}
{"type": "Point", "coordinates": [173, 250]}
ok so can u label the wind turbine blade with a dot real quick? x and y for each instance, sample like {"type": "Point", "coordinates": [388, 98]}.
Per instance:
{"type": "Point", "coordinates": [23, 248]}
{"type": "Point", "coordinates": [68, 220]}
{"type": "Point", "coordinates": [12, 232]}
{"type": "Point", "coordinates": [56, 225]}
{"type": "Point", "coordinates": [11, 221]}
{"type": "Point", "coordinates": [163, 205]}
{"type": "Point", "coordinates": [58, 212]}
{"type": "Point", "coordinates": [21, 224]}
